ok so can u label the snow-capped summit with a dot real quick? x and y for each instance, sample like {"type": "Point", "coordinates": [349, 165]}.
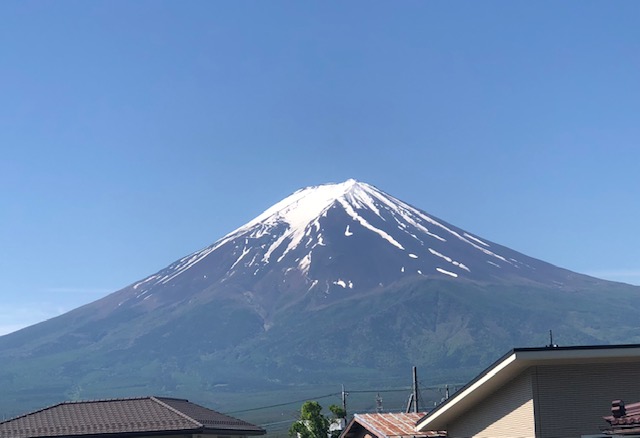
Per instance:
{"type": "Point", "coordinates": [344, 236]}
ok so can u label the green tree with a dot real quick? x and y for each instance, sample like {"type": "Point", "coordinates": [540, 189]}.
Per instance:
{"type": "Point", "coordinates": [312, 424]}
{"type": "Point", "coordinates": [338, 411]}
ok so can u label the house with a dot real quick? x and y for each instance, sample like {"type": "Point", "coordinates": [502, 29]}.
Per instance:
{"type": "Point", "coordinates": [541, 393]}
{"type": "Point", "coordinates": [388, 425]}
{"type": "Point", "coordinates": [122, 418]}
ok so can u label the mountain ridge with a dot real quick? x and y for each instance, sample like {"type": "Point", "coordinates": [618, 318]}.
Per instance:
{"type": "Point", "coordinates": [291, 225]}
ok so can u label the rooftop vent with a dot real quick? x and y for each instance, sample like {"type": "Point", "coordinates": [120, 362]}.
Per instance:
{"type": "Point", "coordinates": [617, 409]}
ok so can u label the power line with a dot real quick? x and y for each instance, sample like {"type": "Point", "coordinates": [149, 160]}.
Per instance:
{"type": "Point", "coordinates": [278, 422]}
{"type": "Point", "coordinates": [349, 391]}
{"type": "Point", "coordinates": [368, 391]}
{"type": "Point", "coordinates": [284, 404]}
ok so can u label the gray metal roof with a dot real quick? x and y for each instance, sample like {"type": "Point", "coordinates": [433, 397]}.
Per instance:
{"type": "Point", "coordinates": [131, 416]}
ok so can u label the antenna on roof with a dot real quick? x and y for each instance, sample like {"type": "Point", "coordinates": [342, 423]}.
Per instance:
{"type": "Point", "coordinates": [551, 344]}
{"type": "Point", "coordinates": [378, 403]}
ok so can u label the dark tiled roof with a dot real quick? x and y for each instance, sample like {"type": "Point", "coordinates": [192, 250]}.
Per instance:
{"type": "Point", "coordinates": [207, 417]}
{"type": "Point", "coordinates": [395, 425]}
{"type": "Point", "coordinates": [156, 415]}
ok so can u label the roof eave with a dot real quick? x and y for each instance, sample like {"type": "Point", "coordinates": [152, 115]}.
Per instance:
{"type": "Point", "coordinates": [434, 419]}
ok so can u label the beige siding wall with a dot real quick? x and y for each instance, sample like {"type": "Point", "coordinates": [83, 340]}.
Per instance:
{"type": "Point", "coordinates": [570, 400]}
{"type": "Point", "coordinates": [506, 413]}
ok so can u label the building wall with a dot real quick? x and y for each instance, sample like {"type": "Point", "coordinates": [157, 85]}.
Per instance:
{"type": "Point", "coordinates": [506, 413]}
{"type": "Point", "coordinates": [570, 400]}
{"type": "Point", "coordinates": [357, 431]}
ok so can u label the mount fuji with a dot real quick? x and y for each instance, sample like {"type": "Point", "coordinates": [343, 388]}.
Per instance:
{"type": "Point", "coordinates": [335, 283]}
{"type": "Point", "coordinates": [338, 239]}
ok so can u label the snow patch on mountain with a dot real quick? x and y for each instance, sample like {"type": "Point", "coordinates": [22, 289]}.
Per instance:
{"type": "Point", "coordinates": [475, 239]}
{"type": "Point", "coordinates": [344, 284]}
{"type": "Point", "coordinates": [449, 273]}
{"type": "Point", "coordinates": [146, 280]}
{"type": "Point", "coordinates": [305, 263]}
{"type": "Point", "coordinates": [351, 212]}
{"type": "Point", "coordinates": [448, 259]}
{"type": "Point", "coordinates": [245, 251]}
{"type": "Point", "coordinates": [301, 208]}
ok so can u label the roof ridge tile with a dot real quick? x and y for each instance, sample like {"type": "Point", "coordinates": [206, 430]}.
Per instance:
{"type": "Point", "coordinates": [171, 408]}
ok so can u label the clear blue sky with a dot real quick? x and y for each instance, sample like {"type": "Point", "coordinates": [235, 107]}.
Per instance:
{"type": "Point", "coordinates": [136, 132]}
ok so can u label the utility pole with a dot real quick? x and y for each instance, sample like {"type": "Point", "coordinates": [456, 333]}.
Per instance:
{"type": "Point", "coordinates": [344, 402]}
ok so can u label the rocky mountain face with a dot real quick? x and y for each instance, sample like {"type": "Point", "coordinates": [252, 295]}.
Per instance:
{"type": "Point", "coordinates": [334, 283]}
{"type": "Point", "coordinates": [331, 242]}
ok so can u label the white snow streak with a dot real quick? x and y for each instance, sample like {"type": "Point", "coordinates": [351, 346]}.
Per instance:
{"type": "Point", "coordinates": [475, 239]}
{"type": "Point", "coordinates": [454, 233]}
{"type": "Point", "coordinates": [305, 263]}
{"type": "Point", "coordinates": [405, 212]}
{"type": "Point", "coordinates": [351, 212]}
{"type": "Point", "coordinates": [449, 259]}
{"type": "Point", "coordinates": [135, 286]}
{"type": "Point", "coordinates": [187, 262]}
{"type": "Point", "coordinates": [347, 232]}
{"type": "Point", "coordinates": [360, 198]}
{"type": "Point", "coordinates": [245, 251]}
{"type": "Point", "coordinates": [442, 271]}
{"type": "Point", "coordinates": [273, 247]}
